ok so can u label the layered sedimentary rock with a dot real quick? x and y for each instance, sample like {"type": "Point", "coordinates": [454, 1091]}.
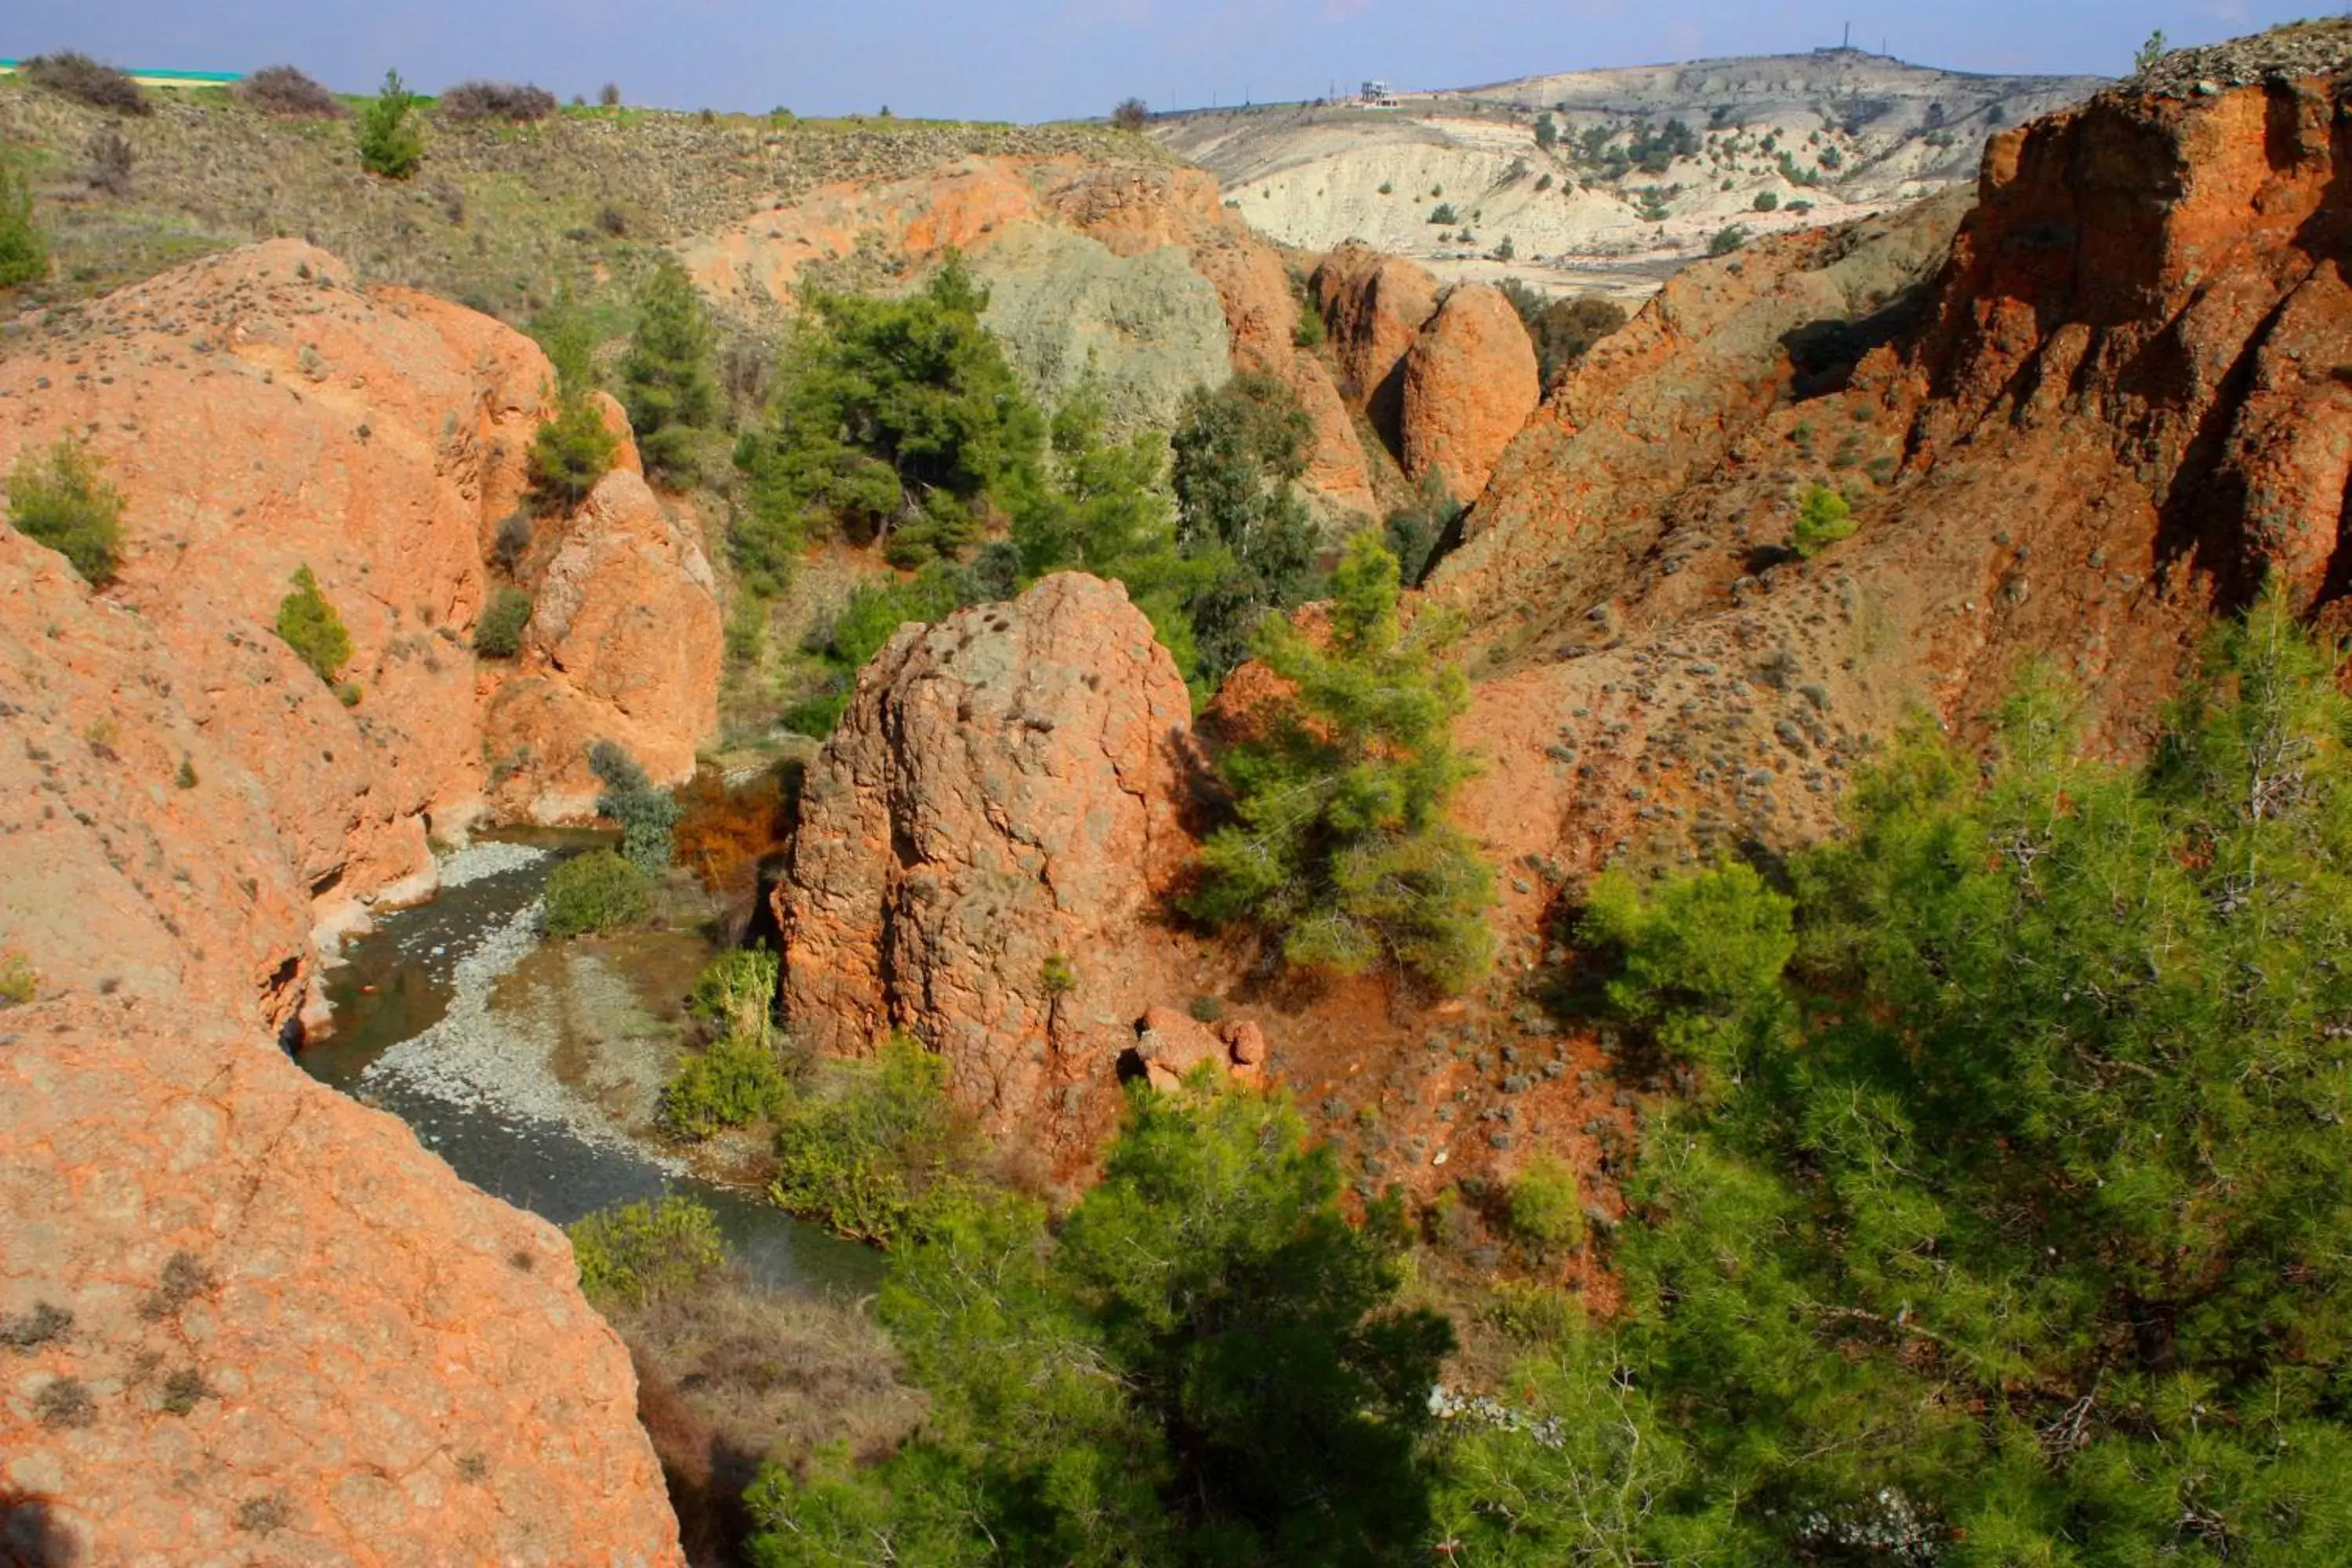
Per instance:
{"type": "Point", "coordinates": [241, 1318]}
{"type": "Point", "coordinates": [984, 845]}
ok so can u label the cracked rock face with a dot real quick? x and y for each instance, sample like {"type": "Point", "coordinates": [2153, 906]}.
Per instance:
{"type": "Point", "coordinates": [983, 847]}
{"type": "Point", "coordinates": [246, 1319]}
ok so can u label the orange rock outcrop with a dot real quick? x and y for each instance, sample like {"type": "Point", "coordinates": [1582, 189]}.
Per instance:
{"type": "Point", "coordinates": [1374, 306]}
{"type": "Point", "coordinates": [1470, 383]}
{"type": "Point", "coordinates": [261, 412]}
{"type": "Point", "coordinates": [244, 1316]}
{"type": "Point", "coordinates": [983, 846]}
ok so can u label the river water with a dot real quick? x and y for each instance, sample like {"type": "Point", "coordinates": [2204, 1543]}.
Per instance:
{"type": "Point", "coordinates": [423, 1030]}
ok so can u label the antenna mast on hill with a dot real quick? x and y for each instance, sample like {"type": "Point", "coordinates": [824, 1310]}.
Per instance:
{"type": "Point", "coordinates": [1849, 36]}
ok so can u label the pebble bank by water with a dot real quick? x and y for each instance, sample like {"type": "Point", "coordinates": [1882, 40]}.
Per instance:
{"type": "Point", "coordinates": [475, 1057]}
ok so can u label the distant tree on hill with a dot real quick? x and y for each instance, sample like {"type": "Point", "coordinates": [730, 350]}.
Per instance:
{"type": "Point", "coordinates": [1547, 130]}
{"type": "Point", "coordinates": [1132, 114]}
{"type": "Point", "coordinates": [86, 81]}
{"type": "Point", "coordinates": [2149, 53]}
{"type": "Point", "coordinates": [610, 95]}
{"type": "Point", "coordinates": [391, 143]}
{"type": "Point", "coordinates": [666, 380]}
{"type": "Point", "coordinates": [517, 103]}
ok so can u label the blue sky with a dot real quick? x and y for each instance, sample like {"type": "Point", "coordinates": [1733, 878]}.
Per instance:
{"type": "Point", "coordinates": [1035, 60]}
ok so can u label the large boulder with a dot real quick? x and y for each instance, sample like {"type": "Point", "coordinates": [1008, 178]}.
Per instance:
{"type": "Point", "coordinates": [1374, 306]}
{"type": "Point", "coordinates": [1470, 383]}
{"type": "Point", "coordinates": [982, 849]}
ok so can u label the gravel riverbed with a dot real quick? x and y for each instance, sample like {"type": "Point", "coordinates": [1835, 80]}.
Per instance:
{"type": "Point", "coordinates": [477, 1058]}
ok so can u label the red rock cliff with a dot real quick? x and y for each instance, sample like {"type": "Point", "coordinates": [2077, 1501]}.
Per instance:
{"type": "Point", "coordinates": [252, 1319]}
{"type": "Point", "coordinates": [998, 806]}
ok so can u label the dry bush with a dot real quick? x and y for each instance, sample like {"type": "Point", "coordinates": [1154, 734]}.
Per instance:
{"type": "Point", "coordinates": [723, 834]}
{"type": "Point", "coordinates": [515, 102]}
{"type": "Point", "coordinates": [284, 90]}
{"type": "Point", "coordinates": [110, 162]}
{"type": "Point", "coordinates": [730, 1376]}
{"type": "Point", "coordinates": [85, 81]}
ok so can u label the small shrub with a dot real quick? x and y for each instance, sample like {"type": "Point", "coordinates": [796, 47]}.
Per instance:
{"type": "Point", "coordinates": [1767, 201]}
{"type": "Point", "coordinates": [572, 451]}
{"type": "Point", "coordinates": [2155, 50]}
{"type": "Point", "coordinates": [85, 81]}
{"type": "Point", "coordinates": [598, 891]}
{"type": "Point", "coordinates": [1546, 1210]}
{"type": "Point", "coordinates": [1206, 1008]}
{"type": "Point", "coordinates": [57, 498]}
{"type": "Point", "coordinates": [1540, 1313]}
{"type": "Point", "coordinates": [513, 543]}
{"type": "Point", "coordinates": [1727, 239]}
{"type": "Point", "coordinates": [648, 815]}
{"type": "Point", "coordinates": [186, 777]}
{"type": "Point", "coordinates": [1822, 519]}
{"type": "Point", "coordinates": [733, 1082]}
{"type": "Point", "coordinates": [24, 252]}
{"type": "Point", "coordinates": [610, 95]}
{"type": "Point", "coordinates": [184, 1279]}
{"type": "Point", "coordinates": [636, 1252]}
{"type": "Point", "coordinates": [310, 626]}
{"type": "Point", "coordinates": [1444, 213]}
{"type": "Point", "coordinates": [517, 103]}
{"type": "Point", "coordinates": [44, 1324]}
{"type": "Point", "coordinates": [390, 143]}
{"type": "Point", "coordinates": [64, 1402]}
{"type": "Point", "coordinates": [1505, 251]}
{"type": "Point", "coordinates": [184, 1390]}
{"type": "Point", "coordinates": [1132, 114]}
{"type": "Point", "coordinates": [612, 222]}
{"type": "Point", "coordinates": [861, 1152]}
{"type": "Point", "coordinates": [499, 633]}
{"type": "Point", "coordinates": [736, 994]}
{"type": "Point", "coordinates": [284, 90]}
{"type": "Point", "coordinates": [110, 160]}
{"type": "Point", "coordinates": [263, 1515]}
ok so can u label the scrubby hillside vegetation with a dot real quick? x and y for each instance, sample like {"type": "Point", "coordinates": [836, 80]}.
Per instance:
{"type": "Point", "coordinates": [1608, 177]}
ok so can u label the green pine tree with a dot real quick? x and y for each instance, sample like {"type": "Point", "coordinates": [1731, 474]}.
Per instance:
{"type": "Point", "coordinates": [390, 142]}
{"type": "Point", "coordinates": [665, 379]}
{"type": "Point", "coordinates": [1341, 843]}
{"type": "Point", "coordinates": [573, 448]}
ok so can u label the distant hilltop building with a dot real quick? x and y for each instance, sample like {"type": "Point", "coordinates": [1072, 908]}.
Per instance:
{"type": "Point", "coordinates": [1378, 95]}
{"type": "Point", "coordinates": [159, 78]}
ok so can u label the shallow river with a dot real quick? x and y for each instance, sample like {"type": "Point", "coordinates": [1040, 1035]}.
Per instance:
{"type": "Point", "coordinates": [513, 1130]}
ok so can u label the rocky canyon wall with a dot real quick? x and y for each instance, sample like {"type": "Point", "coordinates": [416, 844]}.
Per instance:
{"type": "Point", "coordinates": [242, 1317]}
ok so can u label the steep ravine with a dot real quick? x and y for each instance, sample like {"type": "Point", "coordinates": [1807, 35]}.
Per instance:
{"type": "Point", "coordinates": [395, 1368]}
